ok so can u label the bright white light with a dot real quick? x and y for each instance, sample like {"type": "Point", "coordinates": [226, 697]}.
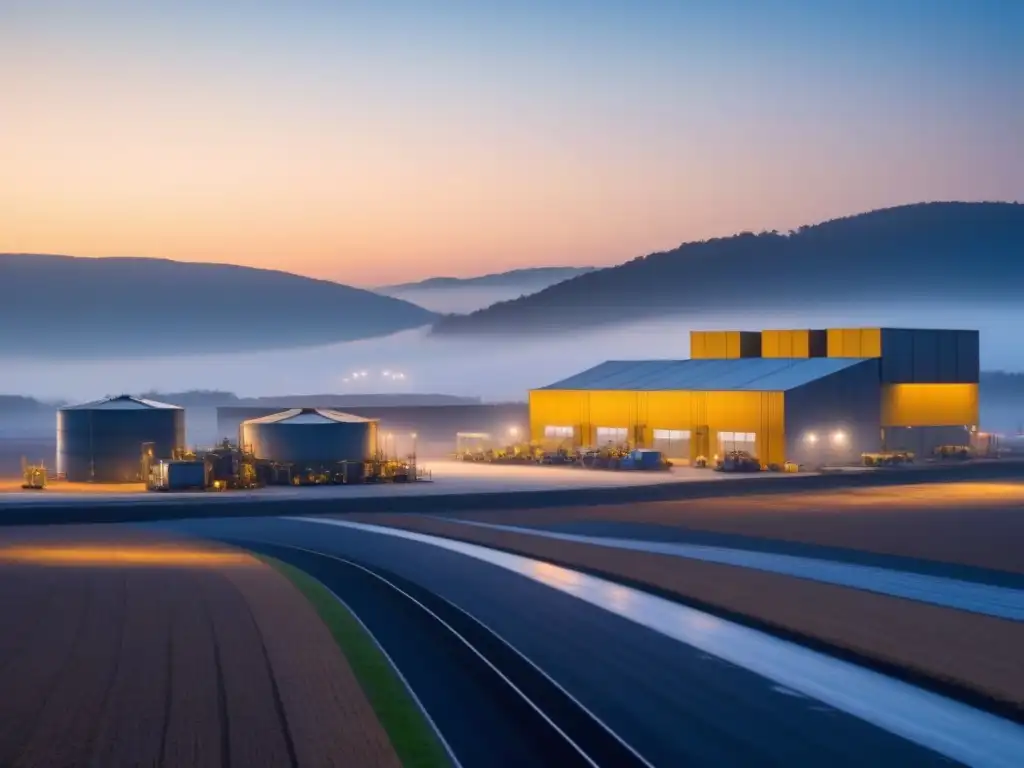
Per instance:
{"type": "Point", "coordinates": [839, 437]}
{"type": "Point", "coordinates": [513, 431]}
{"type": "Point", "coordinates": [811, 438]}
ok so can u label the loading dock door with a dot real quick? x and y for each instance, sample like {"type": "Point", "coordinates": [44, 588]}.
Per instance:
{"type": "Point", "coordinates": [673, 443]}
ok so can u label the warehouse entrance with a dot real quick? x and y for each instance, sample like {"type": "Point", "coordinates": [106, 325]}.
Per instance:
{"type": "Point", "coordinates": [737, 441]}
{"type": "Point", "coordinates": [674, 444]}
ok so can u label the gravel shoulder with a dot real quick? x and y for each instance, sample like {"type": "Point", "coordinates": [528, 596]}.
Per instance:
{"type": "Point", "coordinates": [122, 647]}
{"type": "Point", "coordinates": [975, 656]}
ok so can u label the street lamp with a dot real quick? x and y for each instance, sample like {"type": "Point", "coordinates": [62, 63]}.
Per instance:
{"type": "Point", "coordinates": [838, 438]}
{"type": "Point", "coordinates": [513, 432]}
{"type": "Point", "coordinates": [413, 445]}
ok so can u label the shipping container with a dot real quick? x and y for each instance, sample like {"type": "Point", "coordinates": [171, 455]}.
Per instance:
{"type": "Point", "coordinates": [179, 475]}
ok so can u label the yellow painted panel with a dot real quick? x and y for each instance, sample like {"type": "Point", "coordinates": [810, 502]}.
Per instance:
{"type": "Point", "coordinates": [563, 408]}
{"type": "Point", "coordinates": [698, 345]}
{"type": "Point", "coordinates": [800, 343]}
{"type": "Point", "coordinates": [929, 405]}
{"type": "Point", "coordinates": [732, 344]}
{"type": "Point", "coordinates": [834, 342]}
{"type": "Point", "coordinates": [703, 413]}
{"type": "Point", "coordinates": [716, 345]}
{"type": "Point", "coordinates": [870, 342]}
{"type": "Point", "coordinates": [851, 342]}
{"type": "Point", "coordinates": [789, 343]}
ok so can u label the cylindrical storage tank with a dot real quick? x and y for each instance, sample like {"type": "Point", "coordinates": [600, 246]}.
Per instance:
{"type": "Point", "coordinates": [102, 442]}
{"type": "Point", "coordinates": [310, 437]}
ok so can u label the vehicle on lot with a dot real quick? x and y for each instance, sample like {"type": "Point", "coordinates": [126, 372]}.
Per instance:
{"type": "Point", "coordinates": [887, 459]}
{"type": "Point", "coordinates": [737, 461]}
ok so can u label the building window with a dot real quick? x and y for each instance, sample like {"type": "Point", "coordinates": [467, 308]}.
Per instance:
{"type": "Point", "coordinates": [558, 433]}
{"type": "Point", "coordinates": [612, 435]}
{"type": "Point", "coordinates": [737, 441]}
{"type": "Point", "coordinates": [673, 443]}
{"type": "Point", "coordinates": [671, 434]}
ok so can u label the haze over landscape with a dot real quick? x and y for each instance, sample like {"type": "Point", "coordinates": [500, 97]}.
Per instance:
{"type": "Point", "coordinates": [375, 144]}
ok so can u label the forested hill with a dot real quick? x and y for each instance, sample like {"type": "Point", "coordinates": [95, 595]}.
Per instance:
{"type": "Point", "coordinates": [929, 251]}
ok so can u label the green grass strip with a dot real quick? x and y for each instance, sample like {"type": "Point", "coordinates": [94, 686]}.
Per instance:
{"type": "Point", "coordinates": [411, 734]}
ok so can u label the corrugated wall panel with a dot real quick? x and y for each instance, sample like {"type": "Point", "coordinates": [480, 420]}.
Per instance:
{"type": "Point", "coordinates": [717, 345]}
{"type": "Point", "coordinates": [847, 402]}
{"type": "Point", "coordinates": [852, 342]}
{"type": "Point", "coordinates": [926, 357]}
{"type": "Point", "coordinates": [968, 359]}
{"type": "Point", "coordinates": [897, 355]}
{"type": "Point", "coordinates": [732, 344]}
{"type": "Point", "coordinates": [870, 342]}
{"type": "Point", "coordinates": [750, 344]}
{"type": "Point", "coordinates": [929, 405]}
{"type": "Point", "coordinates": [922, 441]}
{"type": "Point", "coordinates": [771, 343]}
{"type": "Point", "coordinates": [799, 344]}
{"type": "Point", "coordinates": [817, 343]}
{"type": "Point", "coordinates": [698, 345]}
{"type": "Point", "coordinates": [834, 342]}
{"type": "Point", "coordinates": [948, 346]}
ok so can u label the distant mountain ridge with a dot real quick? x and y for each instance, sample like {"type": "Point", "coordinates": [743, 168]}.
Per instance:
{"type": "Point", "coordinates": [543, 276]}
{"type": "Point", "coordinates": [459, 295]}
{"type": "Point", "coordinates": [119, 307]}
{"type": "Point", "coordinates": [957, 251]}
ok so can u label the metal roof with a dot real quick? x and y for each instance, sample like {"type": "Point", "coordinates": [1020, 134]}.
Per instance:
{"type": "Point", "coordinates": [122, 403]}
{"type": "Point", "coordinates": [753, 374]}
{"type": "Point", "coordinates": [309, 416]}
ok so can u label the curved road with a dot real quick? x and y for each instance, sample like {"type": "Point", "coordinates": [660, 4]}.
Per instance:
{"type": "Point", "coordinates": [671, 703]}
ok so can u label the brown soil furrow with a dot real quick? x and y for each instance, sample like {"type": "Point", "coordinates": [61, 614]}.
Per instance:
{"type": "Point", "coordinates": [979, 653]}
{"type": "Point", "coordinates": [253, 727]}
{"type": "Point", "coordinates": [131, 723]}
{"type": "Point", "coordinates": [64, 728]}
{"type": "Point", "coordinates": [25, 594]}
{"type": "Point", "coordinates": [32, 671]}
{"type": "Point", "coordinates": [193, 728]}
{"type": "Point", "coordinates": [330, 718]}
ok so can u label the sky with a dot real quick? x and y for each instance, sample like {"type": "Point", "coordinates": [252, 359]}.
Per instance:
{"type": "Point", "coordinates": [382, 142]}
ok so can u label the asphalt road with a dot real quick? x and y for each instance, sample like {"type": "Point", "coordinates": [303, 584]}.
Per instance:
{"type": "Point", "coordinates": [673, 704]}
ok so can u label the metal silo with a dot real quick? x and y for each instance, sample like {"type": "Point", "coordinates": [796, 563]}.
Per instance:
{"type": "Point", "coordinates": [310, 437]}
{"type": "Point", "coordinates": [102, 441]}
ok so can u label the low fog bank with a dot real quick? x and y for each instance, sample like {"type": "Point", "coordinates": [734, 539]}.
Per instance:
{"type": "Point", "coordinates": [495, 369]}
{"type": "Point", "coordinates": [461, 300]}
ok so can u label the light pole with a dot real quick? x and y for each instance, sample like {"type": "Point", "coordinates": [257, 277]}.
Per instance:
{"type": "Point", "coordinates": [413, 447]}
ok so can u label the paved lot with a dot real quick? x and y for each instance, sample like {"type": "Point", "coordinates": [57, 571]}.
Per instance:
{"type": "Point", "coordinates": [129, 648]}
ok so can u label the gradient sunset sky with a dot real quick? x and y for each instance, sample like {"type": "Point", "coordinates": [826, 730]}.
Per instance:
{"type": "Point", "coordinates": [375, 142]}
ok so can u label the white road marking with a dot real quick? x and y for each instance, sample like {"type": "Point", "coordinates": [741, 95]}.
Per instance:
{"type": "Point", "coordinates": [985, 599]}
{"type": "Point", "coordinates": [950, 728]}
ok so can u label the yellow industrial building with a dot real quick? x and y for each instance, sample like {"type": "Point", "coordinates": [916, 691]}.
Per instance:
{"type": "Point", "coordinates": [805, 396]}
